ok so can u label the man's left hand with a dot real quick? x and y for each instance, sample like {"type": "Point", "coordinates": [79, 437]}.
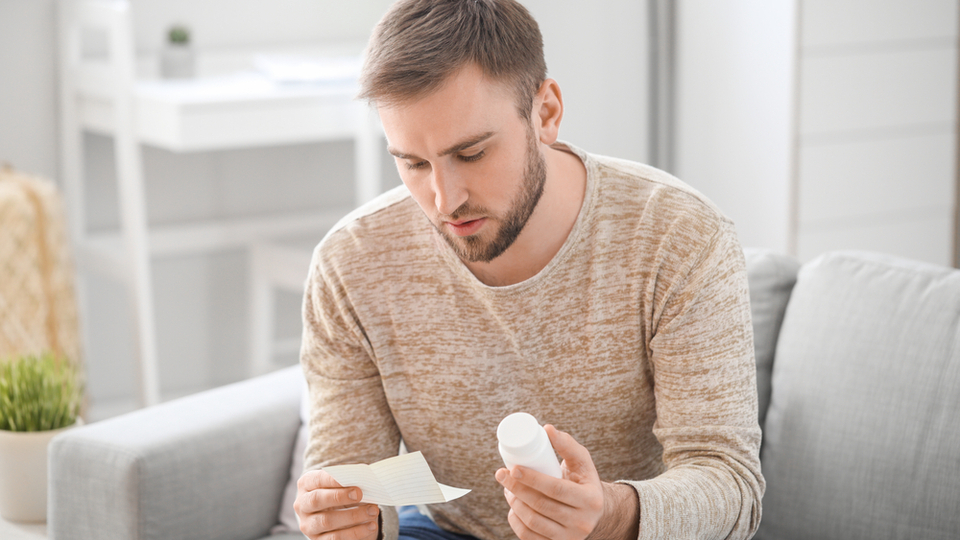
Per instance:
{"type": "Point", "coordinates": [572, 507]}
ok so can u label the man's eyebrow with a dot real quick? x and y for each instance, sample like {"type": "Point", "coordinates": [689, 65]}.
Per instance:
{"type": "Point", "coordinates": [400, 155]}
{"type": "Point", "coordinates": [452, 150]}
{"type": "Point", "coordinates": [467, 143]}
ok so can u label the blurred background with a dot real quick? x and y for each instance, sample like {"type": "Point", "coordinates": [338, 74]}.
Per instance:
{"type": "Point", "coordinates": [815, 124]}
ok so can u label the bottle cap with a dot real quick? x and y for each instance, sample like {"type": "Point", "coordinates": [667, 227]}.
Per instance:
{"type": "Point", "coordinates": [518, 433]}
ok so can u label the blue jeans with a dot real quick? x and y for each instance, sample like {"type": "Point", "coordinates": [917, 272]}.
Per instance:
{"type": "Point", "coordinates": [416, 526]}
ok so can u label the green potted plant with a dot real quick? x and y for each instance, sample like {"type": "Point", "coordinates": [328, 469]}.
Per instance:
{"type": "Point", "coordinates": [176, 58]}
{"type": "Point", "coordinates": [40, 397]}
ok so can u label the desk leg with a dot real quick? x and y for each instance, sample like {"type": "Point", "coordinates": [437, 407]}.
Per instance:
{"type": "Point", "coordinates": [366, 155]}
{"type": "Point", "coordinates": [261, 311]}
{"type": "Point", "coordinates": [71, 159]}
{"type": "Point", "coordinates": [136, 243]}
{"type": "Point", "coordinates": [133, 207]}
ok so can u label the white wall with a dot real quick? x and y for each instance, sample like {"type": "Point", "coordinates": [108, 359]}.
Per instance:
{"type": "Point", "coordinates": [28, 92]}
{"type": "Point", "coordinates": [734, 111]}
{"type": "Point", "coordinates": [877, 131]}
{"type": "Point", "coordinates": [839, 135]}
{"type": "Point", "coordinates": [598, 55]}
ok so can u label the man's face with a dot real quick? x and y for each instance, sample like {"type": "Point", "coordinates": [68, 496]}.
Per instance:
{"type": "Point", "coordinates": [474, 167]}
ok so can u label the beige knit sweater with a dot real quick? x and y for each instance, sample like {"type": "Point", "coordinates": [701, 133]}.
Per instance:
{"type": "Point", "coordinates": [635, 339]}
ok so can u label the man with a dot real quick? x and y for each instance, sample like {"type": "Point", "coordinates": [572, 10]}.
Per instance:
{"type": "Point", "coordinates": [513, 272]}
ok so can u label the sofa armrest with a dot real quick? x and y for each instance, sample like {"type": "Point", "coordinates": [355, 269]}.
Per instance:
{"type": "Point", "coordinates": [211, 466]}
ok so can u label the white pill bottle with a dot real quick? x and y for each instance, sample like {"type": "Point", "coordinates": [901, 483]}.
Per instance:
{"type": "Point", "coordinates": [524, 442]}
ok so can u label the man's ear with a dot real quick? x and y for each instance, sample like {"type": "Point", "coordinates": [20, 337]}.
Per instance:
{"type": "Point", "coordinates": [549, 103]}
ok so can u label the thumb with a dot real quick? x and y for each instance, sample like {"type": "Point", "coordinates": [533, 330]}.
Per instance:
{"type": "Point", "coordinates": [576, 458]}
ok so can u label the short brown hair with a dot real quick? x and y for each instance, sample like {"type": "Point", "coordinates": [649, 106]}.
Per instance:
{"type": "Point", "coordinates": [418, 44]}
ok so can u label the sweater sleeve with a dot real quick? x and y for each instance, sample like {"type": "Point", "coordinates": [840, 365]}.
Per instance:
{"type": "Point", "coordinates": [704, 372]}
{"type": "Point", "coordinates": [350, 420]}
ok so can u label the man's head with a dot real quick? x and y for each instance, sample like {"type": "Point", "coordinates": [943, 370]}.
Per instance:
{"type": "Point", "coordinates": [461, 91]}
{"type": "Point", "coordinates": [419, 44]}
{"type": "Point", "coordinates": [475, 168]}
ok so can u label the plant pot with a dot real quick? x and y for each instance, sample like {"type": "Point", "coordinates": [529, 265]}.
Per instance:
{"type": "Point", "coordinates": [23, 474]}
{"type": "Point", "coordinates": [177, 62]}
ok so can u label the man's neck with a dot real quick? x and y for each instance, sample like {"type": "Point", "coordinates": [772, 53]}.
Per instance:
{"type": "Point", "coordinates": [548, 227]}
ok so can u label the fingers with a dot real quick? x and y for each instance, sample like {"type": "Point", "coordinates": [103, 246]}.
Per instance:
{"type": "Point", "coordinates": [576, 458]}
{"type": "Point", "coordinates": [312, 480]}
{"type": "Point", "coordinates": [567, 508]}
{"type": "Point", "coordinates": [540, 514]}
{"type": "Point", "coordinates": [536, 522]}
{"type": "Point", "coordinates": [528, 484]}
{"type": "Point", "coordinates": [356, 523]}
{"type": "Point", "coordinates": [548, 494]}
{"type": "Point", "coordinates": [521, 529]}
{"type": "Point", "coordinates": [531, 524]}
{"type": "Point", "coordinates": [331, 511]}
{"type": "Point", "coordinates": [317, 490]}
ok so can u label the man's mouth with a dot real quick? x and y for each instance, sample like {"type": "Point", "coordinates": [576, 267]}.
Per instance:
{"type": "Point", "coordinates": [466, 227]}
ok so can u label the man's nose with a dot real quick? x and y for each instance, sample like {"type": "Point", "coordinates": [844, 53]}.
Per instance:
{"type": "Point", "coordinates": [449, 191]}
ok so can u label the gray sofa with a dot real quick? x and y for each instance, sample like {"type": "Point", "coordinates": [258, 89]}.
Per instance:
{"type": "Point", "coordinates": [859, 408]}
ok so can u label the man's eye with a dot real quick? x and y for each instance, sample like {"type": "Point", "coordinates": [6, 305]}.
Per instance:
{"type": "Point", "coordinates": [474, 157]}
{"type": "Point", "coordinates": [417, 165]}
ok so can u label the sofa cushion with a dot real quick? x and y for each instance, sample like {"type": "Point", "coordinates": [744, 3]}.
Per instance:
{"type": "Point", "coordinates": [771, 277]}
{"type": "Point", "coordinates": [861, 437]}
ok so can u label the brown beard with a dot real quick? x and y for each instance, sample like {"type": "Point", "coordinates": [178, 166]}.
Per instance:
{"type": "Point", "coordinates": [474, 248]}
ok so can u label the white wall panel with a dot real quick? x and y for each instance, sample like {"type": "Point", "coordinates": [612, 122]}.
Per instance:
{"type": "Point", "coordinates": [867, 177]}
{"type": "Point", "coordinates": [183, 309]}
{"type": "Point", "coordinates": [734, 132]}
{"type": "Point", "coordinates": [28, 92]}
{"type": "Point", "coordinates": [830, 23]}
{"type": "Point", "coordinates": [599, 55]}
{"type": "Point", "coordinates": [877, 127]}
{"type": "Point", "coordinates": [878, 90]}
{"type": "Point", "coordinates": [923, 236]}
{"type": "Point", "coordinates": [110, 373]}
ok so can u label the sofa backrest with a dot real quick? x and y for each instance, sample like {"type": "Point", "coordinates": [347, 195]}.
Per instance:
{"type": "Point", "coordinates": [861, 438]}
{"type": "Point", "coordinates": [771, 277]}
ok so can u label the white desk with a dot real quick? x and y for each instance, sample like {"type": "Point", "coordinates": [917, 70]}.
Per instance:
{"type": "Point", "coordinates": [235, 111]}
{"type": "Point", "coordinates": [230, 111]}
{"type": "Point", "coordinates": [239, 110]}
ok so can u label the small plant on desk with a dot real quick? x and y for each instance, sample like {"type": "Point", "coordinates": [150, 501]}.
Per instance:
{"type": "Point", "coordinates": [176, 61]}
{"type": "Point", "coordinates": [179, 35]}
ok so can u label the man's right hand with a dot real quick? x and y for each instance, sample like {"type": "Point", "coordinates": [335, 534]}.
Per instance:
{"type": "Point", "coordinates": [330, 511]}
